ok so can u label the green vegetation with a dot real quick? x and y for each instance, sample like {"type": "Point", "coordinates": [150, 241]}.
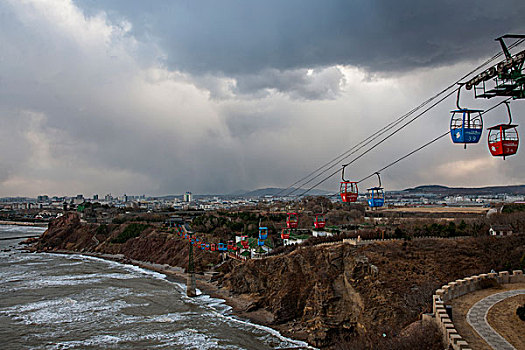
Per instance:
{"type": "Point", "coordinates": [131, 231]}
{"type": "Point", "coordinates": [102, 230]}
{"type": "Point", "coordinates": [511, 208]}
{"type": "Point", "coordinates": [439, 230]}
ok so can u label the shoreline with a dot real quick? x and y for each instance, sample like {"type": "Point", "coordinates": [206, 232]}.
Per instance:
{"type": "Point", "coordinates": [241, 305]}
{"type": "Point", "coordinates": [24, 223]}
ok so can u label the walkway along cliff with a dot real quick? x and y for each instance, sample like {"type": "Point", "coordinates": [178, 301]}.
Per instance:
{"type": "Point", "coordinates": [329, 294]}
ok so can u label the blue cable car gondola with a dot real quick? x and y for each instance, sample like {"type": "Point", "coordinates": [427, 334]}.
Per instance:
{"type": "Point", "coordinates": [376, 195]}
{"type": "Point", "coordinates": [260, 242]}
{"type": "Point", "coordinates": [222, 247]}
{"type": "Point", "coordinates": [466, 125]}
{"type": "Point", "coordinates": [263, 233]}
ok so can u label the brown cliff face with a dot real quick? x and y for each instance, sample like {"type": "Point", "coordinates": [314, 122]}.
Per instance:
{"type": "Point", "coordinates": [339, 293]}
{"type": "Point", "coordinates": [62, 231]}
{"type": "Point", "coordinates": [67, 233]}
{"type": "Point", "coordinates": [311, 287]}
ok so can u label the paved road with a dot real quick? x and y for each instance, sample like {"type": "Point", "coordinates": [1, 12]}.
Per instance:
{"type": "Point", "coordinates": [477, 318]}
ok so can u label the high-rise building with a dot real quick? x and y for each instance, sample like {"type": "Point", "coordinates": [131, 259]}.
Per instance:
{"type": "Point", "coordinates": [187, 197]}
{"type": "Point", "coordinates": [43, 198]}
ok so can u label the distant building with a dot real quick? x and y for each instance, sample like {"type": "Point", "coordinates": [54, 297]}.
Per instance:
{"type": "Point", "coordinates": [43, 198]}
{"type": "Point", "coordinates": [95, 197]}
{"type": "Point", "coordinates": [187, 197]}
{"type": "Point", "coordinates": [500, 230]}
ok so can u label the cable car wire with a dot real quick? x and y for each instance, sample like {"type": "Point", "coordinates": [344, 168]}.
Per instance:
{"type": "Point", "coordinates": [380, 142]}
{"type": "Point", "coordinates": [412, 152]}
{"type": "Point", "coordinates": [381, 131]}
{"type": "Point", "coordinates": [426, 144]}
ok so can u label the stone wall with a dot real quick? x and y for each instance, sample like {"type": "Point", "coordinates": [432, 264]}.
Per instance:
{"type": "Point", "coordinates": [461, 287]}
{"type": "Point", "coordinates": [359, 241]}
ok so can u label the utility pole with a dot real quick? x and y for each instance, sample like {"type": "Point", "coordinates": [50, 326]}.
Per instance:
{"type": "Point", "coordinates": [190, 281]}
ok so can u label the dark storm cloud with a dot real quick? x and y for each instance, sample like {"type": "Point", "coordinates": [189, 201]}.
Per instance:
{"type": "Point", "coordinates": [243, 37]}
{"type": "Point", "coordinates": [250, 97]}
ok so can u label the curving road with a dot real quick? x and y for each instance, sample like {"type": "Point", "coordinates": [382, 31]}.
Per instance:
{"type": "Point", "coordinates": [477, 318]}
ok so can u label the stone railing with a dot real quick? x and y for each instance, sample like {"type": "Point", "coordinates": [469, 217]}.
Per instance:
{"type": "Point", "coordinates": [461, 287]}
{"type": "Point", "coordinates": [360, 241]}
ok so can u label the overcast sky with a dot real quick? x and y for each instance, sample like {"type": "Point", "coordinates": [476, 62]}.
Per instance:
{"type": "Point", "coordinates": [163, 97]}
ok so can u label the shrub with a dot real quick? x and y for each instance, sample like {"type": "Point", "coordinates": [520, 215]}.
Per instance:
{"type": "Point", "coordinates": [131, 231]}
{"type": "Point", "coordinates": [521, 312]}
{"type": "Point", "coordinates": [488, 283]}
{"type": "Point", "coordinates": [102, 230]}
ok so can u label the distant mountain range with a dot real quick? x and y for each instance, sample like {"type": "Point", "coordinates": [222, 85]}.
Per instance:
{"type": "Point", "coordinates": [436, 189]}
{"type": "Point", "coordinates": [450, 191]}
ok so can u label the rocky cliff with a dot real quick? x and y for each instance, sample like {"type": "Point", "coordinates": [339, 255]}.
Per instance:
{"type": "Point", "coordinates": [152, 245]}
{"type": "Point", "coordinates": [338, 293]}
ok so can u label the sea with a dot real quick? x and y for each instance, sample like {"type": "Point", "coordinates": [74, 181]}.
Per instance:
{"type": "Point", "coordinates": [57, 301]}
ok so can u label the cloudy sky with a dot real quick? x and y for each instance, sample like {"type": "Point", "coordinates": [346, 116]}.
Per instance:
{"type": "Point", "coordinates": [215, 96]}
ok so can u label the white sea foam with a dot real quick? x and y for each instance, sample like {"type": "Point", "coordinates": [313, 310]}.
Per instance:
{"type": "Point", "coordinates": [22, 229]}
{"type": "Point", "coordinates": [128, 267]}
{"type": "Point", "coordinates": [216, 307]}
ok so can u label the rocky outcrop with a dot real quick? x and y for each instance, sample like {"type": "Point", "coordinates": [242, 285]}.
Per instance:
{"type": "Point", "coordinates": [152, 245]}
{"type": "Point", "coordinates": [366, 295]}
{"type": "Point", "coordinates": [313, 290]}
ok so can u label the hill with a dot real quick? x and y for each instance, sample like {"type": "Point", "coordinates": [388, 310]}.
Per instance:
{"type": "Point", "coordinates": [450, 191]}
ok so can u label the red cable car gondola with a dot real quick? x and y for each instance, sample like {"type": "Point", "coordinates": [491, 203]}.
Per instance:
{"type": "Point", "coordinates": [348, 189]}
{"type": "Point", "coordinates": [293, 220]}
{"type": "Point", "coordinates": [285, 234]}
{"type": "Point", "coordinates": [503, 139]}
{"type": "Point", "coordinates": [319, 222]}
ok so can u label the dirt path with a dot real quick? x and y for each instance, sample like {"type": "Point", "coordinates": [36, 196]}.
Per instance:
{"type": "Point", "coordinates": [460, 307]}
{"type": "Point", "coordinates": [502, 317]}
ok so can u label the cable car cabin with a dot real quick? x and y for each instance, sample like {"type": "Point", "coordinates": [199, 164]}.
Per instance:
{"type": "Point", "coordinates": [349, 191]}
{"type": "Point", "coordinates": [503, 140]}
{"type": "Point", "coordinates": [319, 221]}
{"type": "Point", "coordinates": [207, 246]}
{"type": "Point", "coordinates": [213, 247]}
{"type": "Point", "coordinates": [375, 197]}
{"type": "Point", "coordinates": [466, 125]}
{"type": "Point", "coordinates": [230, 245]}
{"type": "Point", "coordinates": [221, 247]}
{"type": "Point", "coordinates": [263, 232]}
{"type": "Point", "coordinates": [203, 246]}
{"type": "Point", "coordinates": [285, 234]}
{"type": "Point", "coordinates": [260, 242]}
{"type": "Point", "coordinates": [292, 221]}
